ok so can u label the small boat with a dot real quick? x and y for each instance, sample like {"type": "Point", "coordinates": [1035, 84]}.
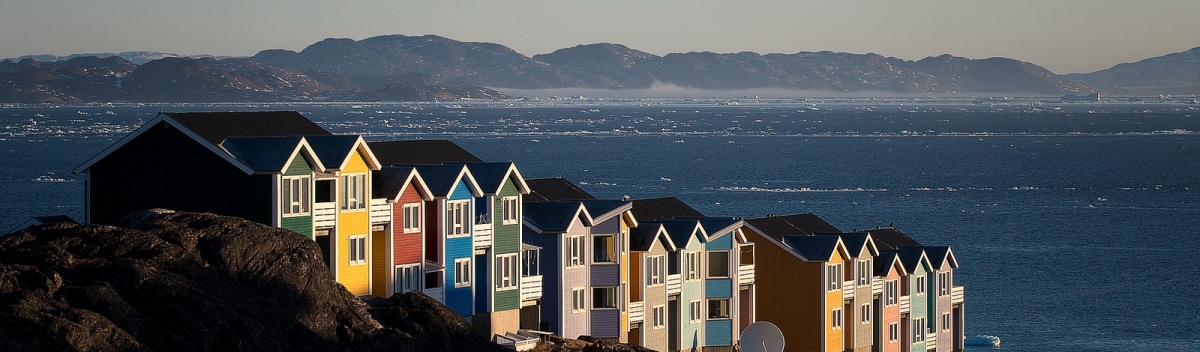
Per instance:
{"type": "Point", "coordinates": [982, 340]}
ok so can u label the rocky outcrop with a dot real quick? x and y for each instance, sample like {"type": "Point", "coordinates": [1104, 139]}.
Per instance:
{"type": "Point", "coordinates": [160, 280]}
{"type": "Point", "coordinates": [1177, 73]}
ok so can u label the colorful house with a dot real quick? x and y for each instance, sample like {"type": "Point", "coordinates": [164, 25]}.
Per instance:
{"type": "Point", "coordinates": [887, 324]}
{"type": "Point", "coordinates": [650, 245]}
{"type": "Point", "coordinates": [858, 290]}
{"type": "Point", "coordinates": [449, 244]}
{"type": "Point", "coordinates": [685, 284]}
{"type": "Point", "coordinates": [728, 283]}
{"type": "Point", "coordinates": [348, 165]}
{"type": "Point", "coordinates": [498, 248]}
{"type": "Point", "coordinates": [608, 265]}
{"type": "Point", "coordinates": [398, 258]}
{"type": "Point", "coordinates": [560, 230]}
{"type": "Point", "coordinates": [944, 301]}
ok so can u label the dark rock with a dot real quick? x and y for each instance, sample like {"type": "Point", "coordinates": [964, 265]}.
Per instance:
{"type": "Point", "coordinates": [160, 280]}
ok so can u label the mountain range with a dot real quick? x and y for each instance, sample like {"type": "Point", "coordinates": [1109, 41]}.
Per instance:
{"type": "Point", "coordinates": [408, 68]}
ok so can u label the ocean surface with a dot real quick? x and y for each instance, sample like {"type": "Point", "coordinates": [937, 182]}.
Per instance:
{"type": "Point", "coordinates": [1077, 226]}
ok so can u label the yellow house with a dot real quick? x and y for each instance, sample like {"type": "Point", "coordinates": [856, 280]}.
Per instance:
{"type": "Point", "coordinates": [346, 187]}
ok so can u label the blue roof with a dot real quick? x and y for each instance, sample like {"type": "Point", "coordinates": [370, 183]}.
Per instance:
{"type": "Point", "coordinates": [388, 182]}
{"type": "Point", "coordinates": [911, 258]}
{"type": "Point", "coordinates": [855, 241]}
{"type": "Point", "coordinates": [554, 217]}
{"type": "Point", "coordinates": [604, 209]}
{"type": "Point", "coordinates": [441, 179]}
{"type": "Point", "coordinates": [262, 153]}
{"type": "Point", "coordinates": [812, 247]}
{"type": "Point", "coordinates": [492, 175]}
{"type": "Point", "coordinates": [681, 231]}
{"type": "Point", "coordinates": [719, 226]}
{"type": "Point", "coordinates": [332, 150]}
{"type": "Point", "coordinates": [641, 238]}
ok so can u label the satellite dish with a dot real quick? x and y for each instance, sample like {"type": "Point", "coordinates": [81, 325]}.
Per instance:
{"type": "Point", "coordinates": [762, 336]}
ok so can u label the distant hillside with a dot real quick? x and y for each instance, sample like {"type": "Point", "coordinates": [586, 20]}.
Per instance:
{"type": "Point", "coordinates": [1177, 73]}
{"type": "Point", "coordinates": [137, 57]}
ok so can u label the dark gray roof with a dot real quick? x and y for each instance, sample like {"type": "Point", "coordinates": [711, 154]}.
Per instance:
{"type": "Point", "coordinates": [603, 209]}
{"type": "Point", "coordinates": [214, 127]}
{"type": "Point", "coordinates": [681, 231]}
{"type": "Point", "coordinates": [796, 224]}
{"type": "Point", "coordinates": [663, 208]}
{"type": "Point", "coordinates": [552, 217]}
{"type": "Point", "coordinates": [937, 255]}
{"type": "Point", "coordinates": [883, 261]}
{"type": "Point", "coordinates": [891, 238]}
{"type": "Point", "coordinates": [441, 179]}
{"type": "Point", "coordinates": [641, 238]}
{"type": "Point", "coordinates": [812, 247]}
{"type": "Point", "coordinates": [433, 151]}
{"type": "Point", "coordinates": [854, 241]}
{"type": "Point", "coordinates": [262, 153]}
{"type": "Point", "coordinates": [490, 175]}
{"type": "Point", "coordinates": [555, 188]}
{"type": "Point", "coordinates": [718, 226]}
{"type": "Point", "coordinates": [911, 258]}
{"type": "Point", "coordinates": [332, 150]}
{"type": "Point", "coordinates": [388, 182]}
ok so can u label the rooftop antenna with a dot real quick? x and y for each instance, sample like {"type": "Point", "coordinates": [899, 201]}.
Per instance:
{"type": "Point", "coordinates": [762, 336]}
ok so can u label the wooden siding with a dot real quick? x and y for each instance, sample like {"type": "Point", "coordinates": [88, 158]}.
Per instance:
{"type": "Point", "coordinates": [941, 305]}
{"type": "Point", "coordinates": [164, 168]}
{"type": "Point", "coordinates": [356, 278]}
{"type": "Point", "coordinates": [605, 323]}
{"type": "Point", "coordinates": [859, 335]}
{"type": "Point", "coordinates": [381, 265]}
{"type": "Point", "coordinates": [624, 251]}
{"type": "Point", "coordinates": [790, 294]}
{"type": "Point", "coordinates": [301, 224]}
{"type": "Point", "coordinates": [407, 247]}
{"type": "Point", "coordinates": [506, 239]}
{"type": "Point", "coordinates": [919, 304]}
{"type": "Point", "coordinates": [551, 268]}
{"type": "Point", "coordinates": [835, 338]}
{"type": "Point", "coordinates": [720, 332]}
{"type": "Point", "coordinates": [574, 323]}
{"type": "Point", "coordinates": [889, 314]}
{"type": "Point", "coordinates": [460, 299]}
{"type": "Point", "coordinates": [691, 333]}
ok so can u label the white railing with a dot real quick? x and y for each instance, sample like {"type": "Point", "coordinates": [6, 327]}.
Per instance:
{"type": "Point", "coordinates": [438, 293]}
{"type": "Point", "coordinates": [931, 341]}
{"type": "Point", "coordinates": [637, 311]}
{"type": "Point", "coordinates": [876, 285]}
{"type": "Point", "coordinates": [956, 294]}
{"type": "Point", "coordinates": [324, 215]}
{"type": "Point", "coordinates": [531, 287]}
{"type": "Point", "coordinates": [380, 211]}
{"type": "Point", "coordinates": [905, 304]}
{"type": "Point", "coordinates": [674, 284]}
{"type": "Point", "coordinates": [746, 274]}
{"type": "Point", "coordinates": [482, 236]}
{"type": "Point", "coordinates": [848, 290]}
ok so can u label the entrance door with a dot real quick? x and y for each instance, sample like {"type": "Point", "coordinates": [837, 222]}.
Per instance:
{"type": "Point", "coordinates": [673, 323]}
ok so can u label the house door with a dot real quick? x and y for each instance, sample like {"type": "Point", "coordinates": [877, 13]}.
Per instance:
{"type": "Point", "coordinates": [745, 313]}
{"type": "Point", "coordinates": [483, 286]}
{"type": "Point", "coordinates": [673, 323]}
{"type": "Point", "coordinates": [323, 242]}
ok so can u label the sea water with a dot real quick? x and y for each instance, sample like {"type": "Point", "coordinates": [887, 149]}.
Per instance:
{"type": "Point", "coordinates": [1076, 225]}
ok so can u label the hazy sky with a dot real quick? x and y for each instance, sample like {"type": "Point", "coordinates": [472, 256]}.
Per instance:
{"type": "Point", "coordinates": [1064, 36]}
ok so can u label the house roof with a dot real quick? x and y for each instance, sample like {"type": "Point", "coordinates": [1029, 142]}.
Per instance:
{"type": "Point", "coordinates": [554, 217]}
{"type": "Point", "coordinates": [335, 151]}
{"type": "Point", "coordinates": [492, 175]}
{"type": "Point", "coordinates": [856, 242]}
{"type": "Point", "coordinates": [717, 227]}
{"type": "Point", "coordinates": [797, 224]}
{"type": "Point", "coordinates": [885, 261]}
{"type": "Point", "coordinates": [390, 182]}
{"type": "Point", "coordinates": [891, 238]}
{"type": "Point", "coordinates": [642, 238]}
{"type": "Point", "coordinates": [938, 255]}
{"type": "Point", "coordinates": [603, 210]}
{"type": "Point", "coordinates": [911, 258]}
{"type": "Point", "coordinates": [555, 188]}
{"type": "Point", "coordinates": [442, 179]}
{"type": "Point", "coordinates": [681, 232]}
{"type": "Point", "coordinates": [430, 151]}
{"type": "Point", "coordinates": [269, 154]}
{"type": "Point", "coordinates": [819, 248]}
{"type": "Point", "coordinates": [214, 127]}
{"type": "Point", "coordinates": [663, 208]}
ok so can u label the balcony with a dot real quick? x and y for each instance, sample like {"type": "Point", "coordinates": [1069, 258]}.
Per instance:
{"type": "Point", "coordinates": [876, 285]}
{"type": "Point", "coordinates": [437, 293]}
{"type": "Point", "coordinates": [381, 213]}
{"type": "Point", "coordinates": [930, 341]}
{"type": "Point", "coordinates": [482, 235]}
{"type": "Point", "coordinates": [324, 215]}
{"type": "Point", "coordinates": [956, 294]}
{"type": "Point", "coordinates": [637, 311]}
{"type": "Point", "coordinates": [674, 284]}
{"type": "Point", "coordinates": [531, 287]}
{"type": "Point", "coordinates": [848, 290]}
{"type": "Point", "coordinates": [905, 304]}
{"type": "Point", "coordinates": [745, 274]}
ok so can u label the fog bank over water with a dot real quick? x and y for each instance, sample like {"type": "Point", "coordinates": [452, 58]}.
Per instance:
{"type": "Point", "coordinates": [670, 90]}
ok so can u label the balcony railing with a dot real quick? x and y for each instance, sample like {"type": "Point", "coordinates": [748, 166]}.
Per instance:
{"type": "Point", "coordinates": [746, 274]}
{"type": "Point", "coordinates": [437, 293]}
{"type": "Point", "coordinates": [324, 215]}
{"type": "Point", "coordinates": [482, 236]}
{"type": "Point", "coordinates": [531, 287]}
{"type": "Point", "coordinates": [848, 290]}
{"type": "Point", "coordinates": [674, 283]}
{"type": "Point", "coordinates": [637, 311]}
{"type": "Point", "coordinates": [930, 341]}
{"type": "Point", "coordinates": [381, 213]}
{"type": "Point", "coordinates": [876, 285]}
{"type": "Point", "coordinates": [956, 294]}
{"type": "Point", "coordinates": [905, 304]}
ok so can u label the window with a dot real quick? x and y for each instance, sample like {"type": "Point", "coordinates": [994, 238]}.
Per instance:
{"type": "Point", "coordinates": [457, 217]}
{"type": "Point", "coordinates": [945, 321]}
{"type": "Point", "coordinates": [837, 318]}
{"type": "Point", "coordinates": [462, 272]}
{"type": "Point", "coordinates": [890, 292]}
{"type": "Point", "coordinates": [864, 314]}
{"type": "Point", "coordinates": [408, 278]}
{"type": "Point", "coordinates": [354, 192]}
{"type": "Point", "coordinates": [506, 271]}
{"type": "Point", "coordinates": [834, 273]}
{"type": "Point", "coordinates": [920, 285]}
{"type": "Point", "coordinates": [578, 300]}
{"type": "Point", "coordinates": [893, 332]}
{"type": "Point", "coordinates": [746, 254]}
{"type": "Point", "coordinates": [604, 297]}
{"type": "Point", "coordinates": [692, 263]}
{"type": "Point", "coordinates": [718, 264]}
{"type": "Point", "coordinates": [943, 283]}
{"type": "Point", "coordinates": [864, 272]}
{"type": "Point", "coordinates": [604, 249]}
{"type": "Point", "coordinates": [574, 250]}
{"type": "Point", "coordinates": [718, 308]}
{"type": "Point", "coordinates": [296, 195]}
{"type": "Point", "coordinates": [918, 330]}
{"type": "Point", "coordinates": [694, 311]}
{"type": "Point", "coordinates": [529, 262]}
{"type": "Point", "coordinates": [509, 210]}
{"type": "Point", "coordinates": [655, 270]}
{"type": "Point", "coordinates": [659, 316]}
{"type": "Point", "coordinates": [358, 249]}
{"type": "Point", "coordinates": [412, 217]}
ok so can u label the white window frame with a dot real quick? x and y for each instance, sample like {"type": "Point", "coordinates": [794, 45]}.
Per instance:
{"type": "Point", "coordinates": [837, 319]}
{"type": "Point", "coordinates": [946, 322]}
{"type": "Point", "coordinates": [609, 244]}
{"type": "Point", "coordinates": [893, 332]}
{"type": "Point", "coordinates": [712, 263]}
{"type": "Point", "coordinates": [723, 309]}
{"type": "Point", "coordinates": [408, 278]}
{"type": "Point", "coordinates": [356, 249]}
{"type": "Point", "coordinates": [943, 283]}
{"type": "Point", "coordinates": [691, 262]}
{"type": "Point", "coordinates": [508, 272]}
{"type": "Point", "coordinates": [296, 195]}
{"type": "Point", "coordinates": [610, 293]}
{"type": "Point", "coordinates": [918, 330]}
{"type": "Point", "coordinates": [864, 312]}
{"type": "Point", "coordinates": [354, 192]}
{"type": "Point", "coordinates": [864, 272]}
{"type": "Point", "coordinates": [891, 291]}
{"type": "Point", "coordinates": [458, 218]}
{"type": "Point", "coordinates": [578, 300]}
{"type": "Point", "coordinates": [834, 274]}
{"type": "Point", "coordinates": [412, 217]}
{"type": "Point", "coordinates": [510, 210]}
{"type": "Point", "coordinates": [656, 270]}
{"type": "Point", "coordinates": [658, 316]}
{"type": "Point", "coordinates": [462, 273]}
{"type": "Point", "coordinates": [575, 251]}
{"type": "Point", "coordinates": [919, 283]}
{"type": "Point", "coordinates": [695, 311]}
